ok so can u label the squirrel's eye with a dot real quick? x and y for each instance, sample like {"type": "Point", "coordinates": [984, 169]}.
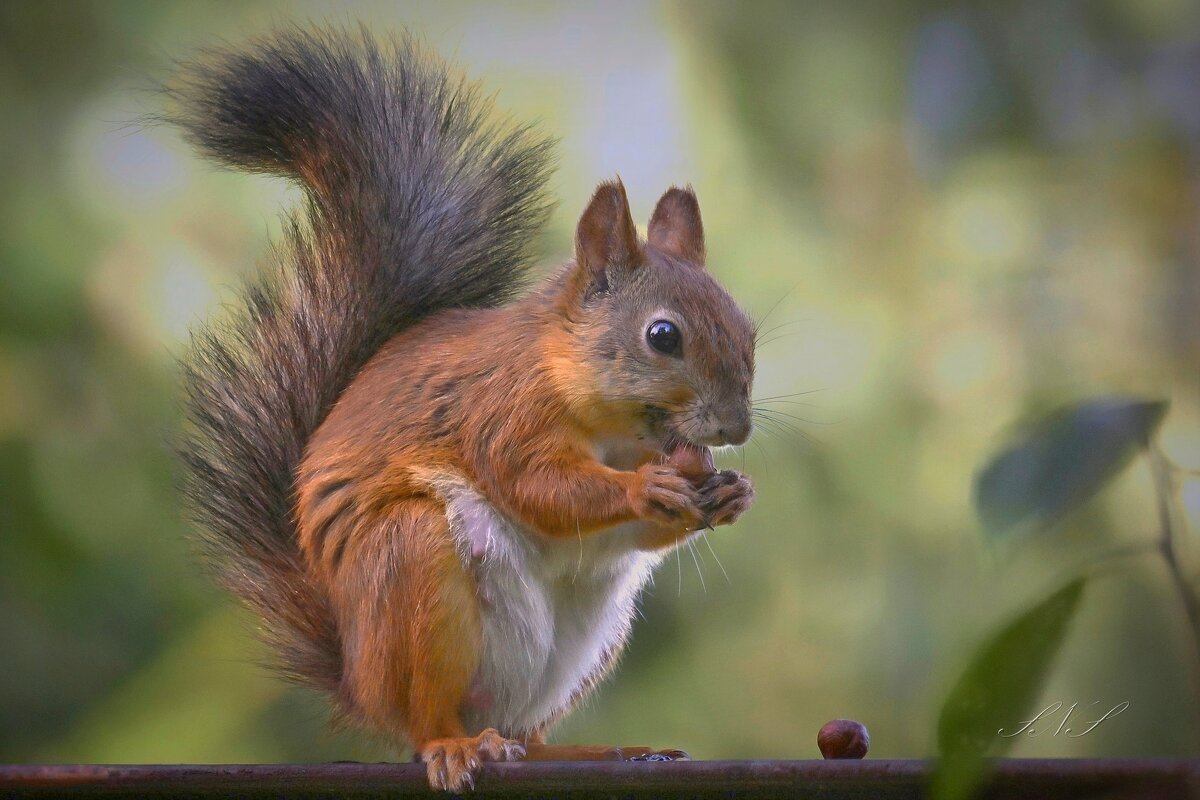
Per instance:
{"type": "Point", "coordinates": [664, 337]}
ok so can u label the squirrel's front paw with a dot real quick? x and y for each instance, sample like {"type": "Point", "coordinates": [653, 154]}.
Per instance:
{"type": "Point", "coordinates": [725, 496]}
{"type": "Point", "coordinates": [663, 495]}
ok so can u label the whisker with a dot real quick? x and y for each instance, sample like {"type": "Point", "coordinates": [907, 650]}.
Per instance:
{"type": "Point", "coordinates": [764, 427]}
{"type": "Point", "coordinates": [791, 416]}
{"type": "Point", "coordinates": [704, 536]}
{"type": "Point", "coordinates": [578, 566]}
{"type": "Point", "coordinates": [758, 325]}
{"type": "Point", "coordinates": [780, 326]}
{"type": "Point", "coordinates": [788, 402]}
{"type": "Point", "coordinates": [699, 572]}
{"type": "Point", "coordinates": [778, 427]}
{"type": "Point", "coordinates": [787, 396]}
{"type": "Point", "coordinates": [776, 338]}
{"type": "Point", "coordinates": [679, 571]}
{"type": "Point", "coordinates": [784, 424]}
{"type": "Point", "coordinates": [761, 449]}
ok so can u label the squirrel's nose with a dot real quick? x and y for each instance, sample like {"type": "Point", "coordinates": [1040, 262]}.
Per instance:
{"type": "Point", "coordinates": [735, 433]}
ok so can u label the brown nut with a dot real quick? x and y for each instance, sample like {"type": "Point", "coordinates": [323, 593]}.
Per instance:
{"type": "Point", "coordinates": [692, 462]}
{"type": "Point", "coordinates": [843, 738]}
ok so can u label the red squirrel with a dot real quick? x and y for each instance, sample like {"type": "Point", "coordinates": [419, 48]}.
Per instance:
{"type": "Point", "coordinates": [442, 494]}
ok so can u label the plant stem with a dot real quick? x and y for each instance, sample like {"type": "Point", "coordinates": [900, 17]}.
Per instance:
{"type": "Point", "coordinates": [1164, 490]}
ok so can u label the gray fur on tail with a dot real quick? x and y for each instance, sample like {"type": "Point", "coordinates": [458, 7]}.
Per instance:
{"type": "Point", "coordinates": [414, 202]}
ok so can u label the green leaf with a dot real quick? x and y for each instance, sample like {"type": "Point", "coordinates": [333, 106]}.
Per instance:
{"type": "Point", "coordinates": [997, 691]}
{"type": "Point", "coordinates": [1063, 460]}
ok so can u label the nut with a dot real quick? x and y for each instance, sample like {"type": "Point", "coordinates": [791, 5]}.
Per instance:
{"type": "Point", "coordinates": [843, 738]}
{"type": "Point", "coordinates": [692, 462]}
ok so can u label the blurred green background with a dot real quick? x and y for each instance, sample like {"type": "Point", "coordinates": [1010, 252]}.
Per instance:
{"type": "Point", "coordinates": [950, 215]}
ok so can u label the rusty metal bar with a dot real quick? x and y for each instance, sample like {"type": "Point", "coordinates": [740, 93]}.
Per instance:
{"type": "Point", "coordinates": [1060, 779]}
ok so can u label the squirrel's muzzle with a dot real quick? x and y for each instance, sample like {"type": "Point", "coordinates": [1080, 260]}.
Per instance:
{"type": "Point", "coordinates": [736, 431]}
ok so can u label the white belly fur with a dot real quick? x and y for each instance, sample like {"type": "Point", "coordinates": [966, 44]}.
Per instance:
{"type": "Point", "coordinates": [550, 608]}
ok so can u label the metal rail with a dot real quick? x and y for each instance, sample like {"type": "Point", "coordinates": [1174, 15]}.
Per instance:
{"type": "Point", "coordinates": [1060, 779]}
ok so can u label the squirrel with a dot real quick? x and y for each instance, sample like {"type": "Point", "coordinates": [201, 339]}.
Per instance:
{"type": "Point", "coordinates": [440, 490]}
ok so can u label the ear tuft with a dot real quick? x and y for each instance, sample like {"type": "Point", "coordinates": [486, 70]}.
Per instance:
{"type": "Point", "coordinates": [606, 239]}
{"type": "Point", "coordinates": [675, 226]}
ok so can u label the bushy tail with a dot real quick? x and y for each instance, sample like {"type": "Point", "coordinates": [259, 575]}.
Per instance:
{"type": "Point", "coordinates": [415, 202]}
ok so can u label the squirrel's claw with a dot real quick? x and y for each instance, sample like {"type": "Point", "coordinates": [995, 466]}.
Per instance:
{"type": "Point", "coordinates": [725, 496]}
{"type": "Point", "coordinates": [453, 764]}
{"type": "Point", "coordinates": [650, 754]}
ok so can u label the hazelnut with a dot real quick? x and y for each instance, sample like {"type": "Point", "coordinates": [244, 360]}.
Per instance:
{"type": "Point", "coordinates": [692, 462]}
{"type": "Point", "coordinates": [843, 738]}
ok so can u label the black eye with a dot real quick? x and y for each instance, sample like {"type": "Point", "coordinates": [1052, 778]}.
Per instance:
{"type": "Point", "coordinates": [664, 337]}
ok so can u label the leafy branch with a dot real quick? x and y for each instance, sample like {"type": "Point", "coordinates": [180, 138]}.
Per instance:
{"type": "Point", "coordinates": [1052, 467]}
{"type": "Point", "coordinates": [1165, 486]}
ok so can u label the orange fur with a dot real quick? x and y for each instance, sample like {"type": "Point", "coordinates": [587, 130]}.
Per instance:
{"type": "Point", "coordinates": [511, 400]}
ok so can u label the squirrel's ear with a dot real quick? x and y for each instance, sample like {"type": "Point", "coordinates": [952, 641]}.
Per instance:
{"type": "Point", "coordinates": [606, 239]}
{"type": "Point", "coordinates": [675, 225]}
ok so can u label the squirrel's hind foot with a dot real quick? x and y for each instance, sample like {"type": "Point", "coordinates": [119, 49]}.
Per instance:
{"type": "Point", "coordinates": [584, 752]}
{"type": "Point", "coordinates": [650, 754]}
{"type": "Point", "coordinates": [452, 764]}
